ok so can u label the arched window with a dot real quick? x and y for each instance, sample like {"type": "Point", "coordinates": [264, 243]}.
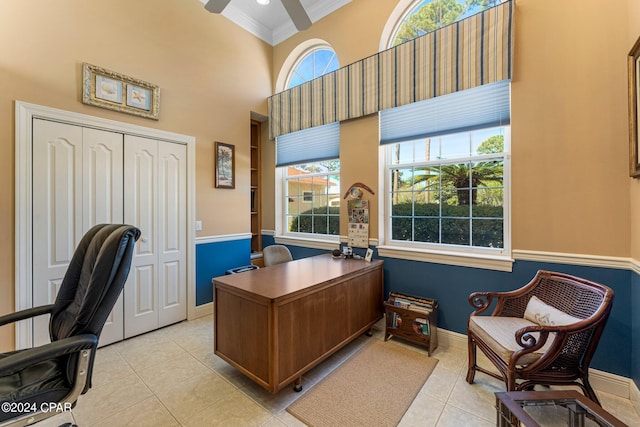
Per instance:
{"type": "Point", "coordinates": [308, 164]}
{"type": "Point", "coordinates": [310, 59]}
{"type": "Point", "coordinates": [314, 64]}
{"type": "Point", "coordinates": [414, 18]}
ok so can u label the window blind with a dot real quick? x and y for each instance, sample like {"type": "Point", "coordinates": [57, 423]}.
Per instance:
{"type": "Point", "coordinates": [481, 107]}
{"type": "Point", "coordinates": [472, 52]}
{"type": "Point", "coordinates": [309, 145]}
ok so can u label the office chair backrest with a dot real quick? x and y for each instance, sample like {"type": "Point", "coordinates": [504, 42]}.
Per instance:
{"type": "Point", "coordinates": [276, 254]}
{"type": "Point", "coordinates": [93, 281]}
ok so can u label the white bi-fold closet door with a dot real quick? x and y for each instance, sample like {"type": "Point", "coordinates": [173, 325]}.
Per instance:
{"type": "Point", "coordinates": [84, 176]}
{"type": "Point", "coordinates": [155, 200]}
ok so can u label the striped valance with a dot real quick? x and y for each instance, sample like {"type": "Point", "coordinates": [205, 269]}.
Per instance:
{"type": "Point", "coordinates": [469, 53]}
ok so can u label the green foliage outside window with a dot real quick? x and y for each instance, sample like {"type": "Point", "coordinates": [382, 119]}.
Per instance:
{"type": "Point", "coordinates": [434, 14]}
{"type": "Point", "coordinates": [307, 222]}
{"type": "Point", "coordinates": [453, 203]}
{"type": "Point", "coordinates": [484, 230]}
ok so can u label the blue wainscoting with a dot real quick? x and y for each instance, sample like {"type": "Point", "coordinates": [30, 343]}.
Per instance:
{"type": "Point", "coordinates": [619, 349]}
{"type": "Point", "coordinates": [634, 303]}
{"type": "Point", "coordinates": [213, 258]}
{"type": "Point", "coordinates": [268, 239]}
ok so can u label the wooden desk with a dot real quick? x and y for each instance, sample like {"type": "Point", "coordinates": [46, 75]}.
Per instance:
{"type": "Point", "coordinates": [276, 323]}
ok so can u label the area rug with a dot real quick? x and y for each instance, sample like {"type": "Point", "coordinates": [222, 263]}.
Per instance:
{"type": "Point", "coordinates": [374, 387]}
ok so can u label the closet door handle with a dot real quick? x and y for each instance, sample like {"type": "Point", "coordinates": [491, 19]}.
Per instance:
{"type": "Point", "coordinates": [143, 239]}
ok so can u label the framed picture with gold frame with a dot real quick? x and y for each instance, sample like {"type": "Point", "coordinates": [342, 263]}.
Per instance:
{"type": "Point", "coordinates": [114, 91]}
{"type": "Point", "coordinates": [225, 166]}
{"type": "Point", "coordinates": [634, 115]}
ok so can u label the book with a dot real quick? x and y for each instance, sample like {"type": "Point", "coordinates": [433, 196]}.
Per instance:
{"type": "Point", "coordinates": [411, 304]}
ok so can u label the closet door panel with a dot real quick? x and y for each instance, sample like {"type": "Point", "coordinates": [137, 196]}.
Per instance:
{"type": "Point", "coordinates": [102, 201]}
{"type": "Point", "coordinates": [140, 209]}
{"type": "Point", "coordinates": [57, 211]}
{"type": "Point", "coordinates": [102, 176]}
{"type": "Point", "coordinates": [172, 239]}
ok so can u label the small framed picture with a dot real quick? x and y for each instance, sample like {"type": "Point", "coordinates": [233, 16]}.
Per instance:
{"type": "Point", "coordinates": [368, 255]}
{"type": "Point", "coordinates": [225, 166]}
{"type": "Point", "coordinates": [634, 109]}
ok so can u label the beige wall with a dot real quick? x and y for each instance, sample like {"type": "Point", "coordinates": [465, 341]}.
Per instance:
{"type": "Point", "coordinates": [569, 129]}
{"type": "Point", "coordinates": [211, 73]}
{"type": "Point", "coordinates": [570, 187]}
{"type": "Point", "coordinates": [633, 34]}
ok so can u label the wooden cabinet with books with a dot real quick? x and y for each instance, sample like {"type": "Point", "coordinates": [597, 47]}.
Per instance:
{"type": "Point", "coordinates": [256, 188]}
{"type": "Point", "coordinates": [413, 319]}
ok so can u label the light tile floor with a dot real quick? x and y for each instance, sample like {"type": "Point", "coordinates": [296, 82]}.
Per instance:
{"type": "Point", "coordinates": [171, 377]}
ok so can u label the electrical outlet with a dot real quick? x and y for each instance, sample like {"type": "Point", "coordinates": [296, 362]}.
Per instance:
{"type": "Point", "coordinates": [198, 225]}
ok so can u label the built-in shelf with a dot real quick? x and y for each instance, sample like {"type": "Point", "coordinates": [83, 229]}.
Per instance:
{"type": "Point", "coordinates": [255, 193]}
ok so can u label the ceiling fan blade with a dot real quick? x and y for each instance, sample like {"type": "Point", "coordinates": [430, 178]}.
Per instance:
{"type": "Point", "coordinates": [297, 13]}
{"type": "Point", "coordinates": [216, 6]}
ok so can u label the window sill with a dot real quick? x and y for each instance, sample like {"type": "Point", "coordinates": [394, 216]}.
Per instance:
{"type": "Point", "coordinates": [307, 242]}
{"type": "Point", "coordinates": [489, 262]}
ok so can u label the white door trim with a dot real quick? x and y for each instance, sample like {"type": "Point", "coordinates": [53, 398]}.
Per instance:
{"type": "Point", "coordinates": [25, 113]}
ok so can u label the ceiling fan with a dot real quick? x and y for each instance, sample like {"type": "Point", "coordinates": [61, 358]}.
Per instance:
{"type": "Point", "coordinates": [293, 7]}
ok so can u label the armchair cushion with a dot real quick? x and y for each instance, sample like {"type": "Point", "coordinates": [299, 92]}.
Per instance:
{"type": "Point", "coordinates": [499, 334]}
{"type": "Point", "coordinates": [546, 315]}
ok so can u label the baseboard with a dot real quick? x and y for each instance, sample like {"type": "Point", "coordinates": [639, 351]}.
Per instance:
{"type": "Point", "coordinates": [610, 383]}
{"type": "Point", "coordinates": [600, 380]}
{"type": "Point", "coordinates": [452, 339]}
{"type": "Point", "coordinates": [201, 311]}
{"type": "Point", "coordinates": [635, 396]}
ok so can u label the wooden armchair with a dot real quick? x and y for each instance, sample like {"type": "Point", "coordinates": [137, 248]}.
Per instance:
{"type": "Point", "coordinates": [543, 333]}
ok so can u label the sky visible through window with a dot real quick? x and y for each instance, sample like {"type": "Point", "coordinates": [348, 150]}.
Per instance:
{"type": "Point", "coordinates": [315, 64]}
{"type": "Point", "coordinates": [446, 147]}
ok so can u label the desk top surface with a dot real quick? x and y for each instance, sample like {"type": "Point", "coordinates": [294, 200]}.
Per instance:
{"type": "Point", "coordinates": [291, 277]}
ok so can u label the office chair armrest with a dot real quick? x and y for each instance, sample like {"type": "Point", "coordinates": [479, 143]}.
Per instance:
{"type": "Point", "coordinates": [22, 359]}
{"type": "Point", "coordinates": [25, 314]}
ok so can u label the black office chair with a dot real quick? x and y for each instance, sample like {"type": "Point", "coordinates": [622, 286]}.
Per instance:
{"type": "Point", "coordinates": [60, 371]}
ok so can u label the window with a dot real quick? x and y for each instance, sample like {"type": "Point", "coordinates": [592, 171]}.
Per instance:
{"type": "Point", "coordinates": [317, 62]}
{"type": "Point", "coordinates": [307, 196]}
{"type": "Point", "coordinates": [311, 192]}
{"type": "Point", "coordinates": [449, 190]}
{"type": "Point", "coordinates": [308, 165]}
{"type": "Point", "coordinates": [446, 178]}
{"type": "Point", "coordinates": [424, 16]}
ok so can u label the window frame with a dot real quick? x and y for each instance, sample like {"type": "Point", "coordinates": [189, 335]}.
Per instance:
{"type": "Point", "coordinates": [283, 235]}
{"type": "Point", "coordinates": [468, 256]}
